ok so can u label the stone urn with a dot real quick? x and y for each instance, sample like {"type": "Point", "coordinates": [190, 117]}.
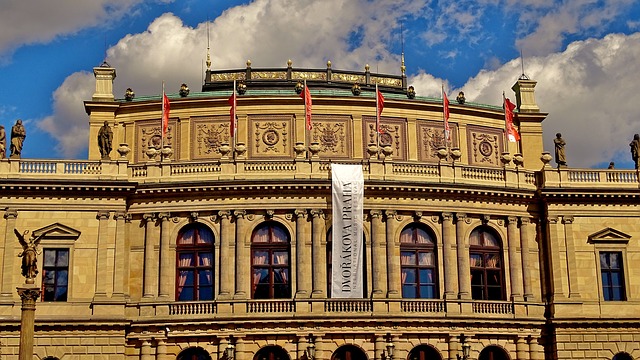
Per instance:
{"type": "Point", "coordinates": [224, 149]}
{"type": "Point", "coordinates": [151, 153]}
{"type": "Point", "coordinates": [505, 158]}
{"type": "Point", "coordinates": [166, 151]}
{"type": "Point", "coordinates": [518, 159]}
{"type": "Point", "coordinates": [387, 151]}
{"type": "Point", "coordinates": [456, 154]}
{"type": "Point", "coordinates": [372, 149]}
{"type": "Point", "coordinates": [299, 148]}
{"type": "Point", "coordinates": [241, 149]}
{"type": "Point", "coordinates": [546, 158]}
{"type": "Point", "coordinates": [314, 148]}
{"type": "Point", "coordinates": [123, 150]}
{"type": "Point", "coordinates": [442, 153]}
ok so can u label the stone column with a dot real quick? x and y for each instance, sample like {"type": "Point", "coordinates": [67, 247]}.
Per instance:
{"type": "Point", "coordinates": [572, 265]}
{"type": "Point", "coordinates": [28, 294]}
{"type": "Point", "coordinates": [515, 265]}
{"type": "Point", "coordinates": [454, 347]}
{"type": "Point", "coordinates": [227, 253]}
{"type": "Point", "coordinates": [449, 255]}
{"type": "Point", "coordinates": [522, 352]}
{"type": "Point", "coordinates": [166, 263]}
{"type": "Point", "coordinates": [161, 350]}
{"type": "Point", "coordinates": [119, 274]}
{"type": "Point", "coordinates": [243, 257]}
{"type": "Point", "coordinates": [536, 350]}
{"type": "Point", "coordinates": [556, 266]}
{"type": "Point", "coordinates": [146, 351]}
{"type": "Point", "coordinates": [319, 255]}
{"type": "Point", "coordinates": [378, 262]}
{"type": "Point", "coordinates": [150, 259]}
{"type": "Point", "coordinates": [464, 269]}
{"type": "Point", "coordinates": [378, 346]}
{"type": "Point", "coordinates": [524, 245]}
{"type": "Point", "coordinates": [241, 349]}
{"type": "Point", "coordinates": [9, 255]}
{"type": "Point", "coordinates": [102, 273]}
{"type": "Point", "coordinates": [393, 256]}
{"type": "Point", "coordinates": [303, 268]}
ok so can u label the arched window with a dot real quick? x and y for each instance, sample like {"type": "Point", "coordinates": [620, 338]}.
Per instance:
{"type": "Point", "coordinates": [418, 263]}
{"type": "Point", "coordinates": [271, 353]}
{"type": "Point", "coordinates": [330, 263]}
{"type": "Point", "coordinates": [349, 352]}
{"type": "Point", "coordinates": [493, 353]}
{"type": "Point", "coordinates": [270, 258]}
{"type": "Point", "coordinates": [486, 265]}
{"type": "Point", "coordinates": [424, 352]}
{"type": "Point", "coordinates": [622, 356]}
{"type": "Point", "coordinates": [194, 353]}
{"type": "Point", "coordinates": [194, 252]}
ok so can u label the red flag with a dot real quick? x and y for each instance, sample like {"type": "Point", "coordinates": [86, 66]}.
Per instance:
{"type": "Point", "coordinates": [306, 95]}
{"type": "Point", "coordinates": [233, 123]}
{"type": "Point", "coordinates": [512, 132]}
{"type": "Point", "coordinates": [445, 109]}
{"type": "Point", "coordinates": [165, 113]}
{"type": "Point", "coordinates": [379, 107]}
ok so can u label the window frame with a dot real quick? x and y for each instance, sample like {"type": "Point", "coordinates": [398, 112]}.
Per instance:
{"type": "Point", "coordinates": [623, 269]}
{"type": "Point", "coordinates": [484, 251]}
{"type": "Point", "coordinates": [55, 268]}
{"type": "Point", "coordinates": [417, 249]}
{"type": "Point", "coordinates": [271, 247]}
{"type": "Point", "coordinates": [196, 249]}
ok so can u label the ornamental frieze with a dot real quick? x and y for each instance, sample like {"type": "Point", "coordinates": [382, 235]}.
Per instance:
{"type": "Point", "coordinates": [431, 138]}
{"type": "Point", "coordinates": [394, 134]}
{"type": "Point", "coordinates": [270, 136]}
{"type": "Point", "coordinates": [209, 133]}
{"type": "Point", "coordinates": [333, 135]}
{"type": "Point", "coordinates": [149, 141]}
{"type": "Point", "coordinates": [485, 145]}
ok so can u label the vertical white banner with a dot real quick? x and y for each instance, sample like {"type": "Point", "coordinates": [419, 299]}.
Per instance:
{"type": "Point", "coordinates": [347, 190]}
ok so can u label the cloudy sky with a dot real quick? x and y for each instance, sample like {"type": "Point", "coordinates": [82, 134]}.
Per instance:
{"type": "Point", "coordinates": [583, 53]}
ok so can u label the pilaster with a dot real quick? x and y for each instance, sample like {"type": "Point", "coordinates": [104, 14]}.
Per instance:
{"type": "Point", "coordinates": [303, 256]}
{"type": "Point", "coordinates": [526, 268]}
{"type": "Point", "coordinates": [464, 269]}
{"type": "Point", "coordinates": [227, 254]}
{"type": "Point", "coordinates": [515, 259]}
{"type": "Point", "coordinates": [319, 255]}
{"type": "Point", "coordinates": [166, 263]}
{"type": "Point", "coordinates": [378, 262]}
{"type": "Point", "coordinates": [102, 273]}
{"type": "Point", "coordinates": [393, 255]}
{"type": "Point", "coordinates": [572, 265]}
{"type": "Point", "coordinates": [150, 259]}
{"type": "Point", "coordinates": [9, 254]}
{"type": "Point", "coordinates": [121, 259]}
{"type": "Point", "coordinates": [449, 255]}
{"type": "Point", "coordinates": [243, 256]}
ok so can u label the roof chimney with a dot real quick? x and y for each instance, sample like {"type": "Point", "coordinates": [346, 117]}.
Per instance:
{"type": "Point", "coordinates": [104, 82]}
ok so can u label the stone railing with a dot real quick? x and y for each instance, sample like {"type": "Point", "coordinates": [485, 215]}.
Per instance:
{"type": "Point", "coordinates": [590, 178]}
{"type": "Point", "coordinates": [243, 169]}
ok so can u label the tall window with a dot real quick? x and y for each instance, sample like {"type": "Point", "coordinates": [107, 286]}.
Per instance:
{"type": "Point", "coordinates": [270, 246]}
{"type": "Point", "coordinates": [271, 353]}
{"type": "Point", "coordinates": [424, 352]}
{"type": "Point", "coordinates": [55, 275]}
{"type": "Point", "coordinates": [330, 263]}
{"type": "Point", "coordinates": [349, 352]}
{"type": "Point", "coordinates": [486, 265]}
{"type": "Point", "coordinates": [194, 251]}
{"type": "Point", "coordinates": [612, 276]}
{"type": "Point", "coordinates": [493, 353]}
{"type": "Point", "coordinates": [194, 353]}
{"type": "Point", "coordinates": [418, 263]}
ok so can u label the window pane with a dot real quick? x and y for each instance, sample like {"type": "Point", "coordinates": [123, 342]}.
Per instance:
{"type": "Point", "coordinates": [495, 293]}
{"type": "Point", "coordinates": [280, 257]}
{"type": "Point", "coordinates": [493, 278]}
{"type": "Point", "coordinates": [61, 294]}
{"type": "Point", "coordinates": [205, 259]}
{"type": "Point", "coordinates": [63, 258]}
{"type": "Point", "coordinates": [409, 276]}
{"type": "Point", "coordinates": [205, 293]}
{"type": "Point", "coordinates": [186, 237]}
{"type": "Point", "coordinates": [186, 294]}
{"type": "Point", "coordinates": [474, 238]}
{"type": "Point", "coordinates": [261, 292]}
{"type": "Point", "coordinates": [617, 294]}
{"type": "Point", "coordinates": [493, 261]}
{"type": "Point", "coordinates": [279, 235]}
{"type": "Point", "coordinates": [62, 277]}
{"type": "Point", "coordinates": [614, 262]}
{"type": "Point", "coordinates": [427, 292]}
{"type": "Point", "coordinates": [425, 258]}
{"type": "Point", "coordinates": [281, 291]}
{"type": "Point", "coordinates": [204, 278]}
{"type": "Point", "coordinates": [261, 276]}
{"type": "Point", "coordinates": [49, 277]}
{"type": "Point", "coordinates": [476, 260]}
{"type": "Point", "coordinates": [186, 259]}
{"type": "Point", "coordinates": [205, 236]}
{"type": "Point", "coordinates": [605, 280]}
{"type": "Point", "coordinates": [261, 235]}
{"type": "Point", "coordinates": [406, 237]}
{"type": "Point", "coordinates": [188, 276]}
{"type": "Point", "coordinates": [408, 258]}
{"type": "Point", "coordinates": [604, 264]}
{"type": "Point", "coordinates": [615, 279]}
{"type": "Point", "coordinates": [409, 291]}
{"type": "Point", "coordinates": [426, 276]}
{"type": "Point", "coordinates": [49, 257]}
{"type": "Point", "coordinates": [477, 292]}
{"type": "Point", "coordinates": [423, 237]}
{"type": "Point", "coordinates": [281, 276]}
{"type": "Point", "coordinates": [477, 278]}
{"type": "Point", "coordinates": [490, 240]}
{"type": "Point", "coordinates": [260, 257]}
{"type": "Point", "coordinates": [49, 293]}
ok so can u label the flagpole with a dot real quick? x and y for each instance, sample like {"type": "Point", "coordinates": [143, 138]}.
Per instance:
{"type": "Point", "coordinates": [305, 111]}
{"type": "Point", "coordinates": [444, 120]}
{"type": "Point", "coordinates": [162, 122]}
{"type": "Point", "coordinates": [235, 120]}
{"type": "Point", "coordinates": [506, 125]}
{"type": "Point", "coordinates": [377, 118]}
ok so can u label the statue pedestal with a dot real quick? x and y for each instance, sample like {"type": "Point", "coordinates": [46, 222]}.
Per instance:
{"type": "Point", "coordinates": [29, 293]}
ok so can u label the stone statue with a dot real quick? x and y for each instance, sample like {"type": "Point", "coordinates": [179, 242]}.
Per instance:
{"type": "Point", "coordinates": [3, 142]}
{"type": "Point", "coordinates": [561, 158]}
{"type": "Point", "coordinates": [105, 137]}
{"type": "Point", "coordinates": [29, 254]}
{"type": "Point", "coordinates": [635, 149]}
{"type": "Point", "coordinates": [18, 134]}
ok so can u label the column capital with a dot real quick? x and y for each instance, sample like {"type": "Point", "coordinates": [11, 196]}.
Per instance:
{"type": "Point", "coordinates": [447, 216]}
{"type": "Point", "coordinates": [317, 213]}
{"type": "Point", "coordinates": [224, 214]}
{"type": "Point", "coordinates": [552, 220]}
{"type": "Point", "coordinates": [10, 214]}
{"type": "Point", "coordinates": [149, 217]}
{"type": "Point", "coordinates": [375, 214]}
{"type": "Point", "coordinates": [392, 215]}
{"type": "Point", "coordinates": [567, 219]}
{"type": "Point", "coordinates": [417, 215]}
{"type": "Point", "coordinates": [164, 216]}
{"type": "Point", "coordinates": [512, 220]}
{"type": "Point", "coordinates": [240, 214]}
{"type": "Point", "coordinates": [525, 220]}
{"type": "Point", "coordinates": [120, 215]}
{"type": "Point", "coordinates": [461, 216]}
{"type": "Point", "coordinates": [103, 215]}
{"type": "Point", "coordinates": [29, 294]}
{"type": "Point", "coordinates": [300, 213]}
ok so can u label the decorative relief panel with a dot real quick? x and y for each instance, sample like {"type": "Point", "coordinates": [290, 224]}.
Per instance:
{"type": "Point", "coordinates": [308, 75]}
{"type": "Point", "coordinates": [485, 145]}
{"type": "Point", "coordinates": [208, 134]}
{"type": "Point", "coordinates": [431, 138]}
{"type": "Point", "coordinates": [229, 76]}
{"type": "Point", "coordinates": [270, 136]}
{"type": "Point", "coordinates": [385, 81]}
{"type": "Point", "coordinates": [280, 75]}
{"type": "Point", "coordinates": [333, 134]}
{"type": "Point", "coordinates": [149, 136]}
{"type": "Point", "coordinates": [394, 134]}
{"type": "Point", "coordinates": [351, 78]}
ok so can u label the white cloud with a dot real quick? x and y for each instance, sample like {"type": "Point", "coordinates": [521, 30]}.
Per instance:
{"type": "Point", "coordinates": [267, 32]}
{"type": "Point", "coordinates": [32, 21]}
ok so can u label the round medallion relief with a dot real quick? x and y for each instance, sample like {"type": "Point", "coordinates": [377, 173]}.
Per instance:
{"type": "Point", "coordinates": [270, 137]}
{"type": "Point", "coordinates": [386, 139]}
{"type": "Point", "coordinates": [485, 148]}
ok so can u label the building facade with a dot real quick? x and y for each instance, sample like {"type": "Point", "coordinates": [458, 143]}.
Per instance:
{"type": "Point", "coordinates": [194, 244]}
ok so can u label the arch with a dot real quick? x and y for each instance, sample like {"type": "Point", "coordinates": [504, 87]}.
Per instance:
{"type": "Point", "coordinates": [486, 263]}
{"type": "Point", "coordinates": [50, 358]}
{"type": "Point", "coordinates": [418, 262]}
{"type": "Point", "coordinates": [493, 352]}
{"type": "Point", "coordinates": [349, 352]}
{"type": "Point", "coordinates": [271, 352]}
{"type": "Point", "coordinates": [184, 222]}
{"type": "Point", "coordinates": [270, 261]}
{"type": "Point", "coordinates": [193, 353]}
{"type": "Point", "coordinates": [329, 262]}
{"type": "Point", "coordinates": [194, 263]}
{"type": "Point", "coordinates": [622, 356]}
{"type": "Point", "coordinates": [424, 352]}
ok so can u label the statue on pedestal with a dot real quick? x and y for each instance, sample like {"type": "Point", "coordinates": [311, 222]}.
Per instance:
{"type": "Point", "coordinates": [3, 142]}
{"type": "Point", "coordinates": [561, 158]}
{"type": "Point", "coordinates": [105, 138]}
{"type": "Point", "coordinates": [18, 134]}
{"type": "Point", "coordinates": [29, 254]}
{"type": "Point", "coordinates": [635, 149]}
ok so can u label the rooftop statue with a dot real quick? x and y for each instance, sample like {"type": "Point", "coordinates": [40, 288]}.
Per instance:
{"type": "Point", "coordinates": [561, 158]}
{"type": "Point", "coordinates": [105, 138]}
{"type": "Point", "coordinates": [635, 149]}
{"type": "Point", "coordinates": [18, 134]}
{"type": "Point", "coordinates": [3, 142]}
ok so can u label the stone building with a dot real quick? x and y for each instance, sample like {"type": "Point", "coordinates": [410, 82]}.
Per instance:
{"type": "Point", "coordinates": [199, 245]}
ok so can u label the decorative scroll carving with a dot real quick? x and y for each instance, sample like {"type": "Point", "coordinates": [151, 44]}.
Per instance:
{"type": "Point", "coordinates": [350, 78]}
{"type": "Point", "coordinates": [308, 75]}
{"type": "Point", "coordinates": [210, 134]}
{"type": "Point", "coordinates": [331, 134]}
{"type": "Point", "coordinates": [385, 81]}
{"type": "Point", "coordinates": [271, 75]}
{"type": "Point", "coordinates": [149, 138]}
{"type": "Point", "coordinates": [271, 136]}
{"type": "Point", "coordinates": [394, 135]}
{"type": "Point", "coordinates": [485, 146]}
{"type": "Point", "coordinates": [431, 138]}
{"type": "Point", "coordinates": [229, 76]}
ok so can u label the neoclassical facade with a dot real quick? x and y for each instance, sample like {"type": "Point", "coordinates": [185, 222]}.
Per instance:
{"type": "Point", "coordinates": [197, 245]}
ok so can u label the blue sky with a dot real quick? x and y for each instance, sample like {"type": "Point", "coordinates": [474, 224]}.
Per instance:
{"type": "Point", "coordinates": [584, 55]}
